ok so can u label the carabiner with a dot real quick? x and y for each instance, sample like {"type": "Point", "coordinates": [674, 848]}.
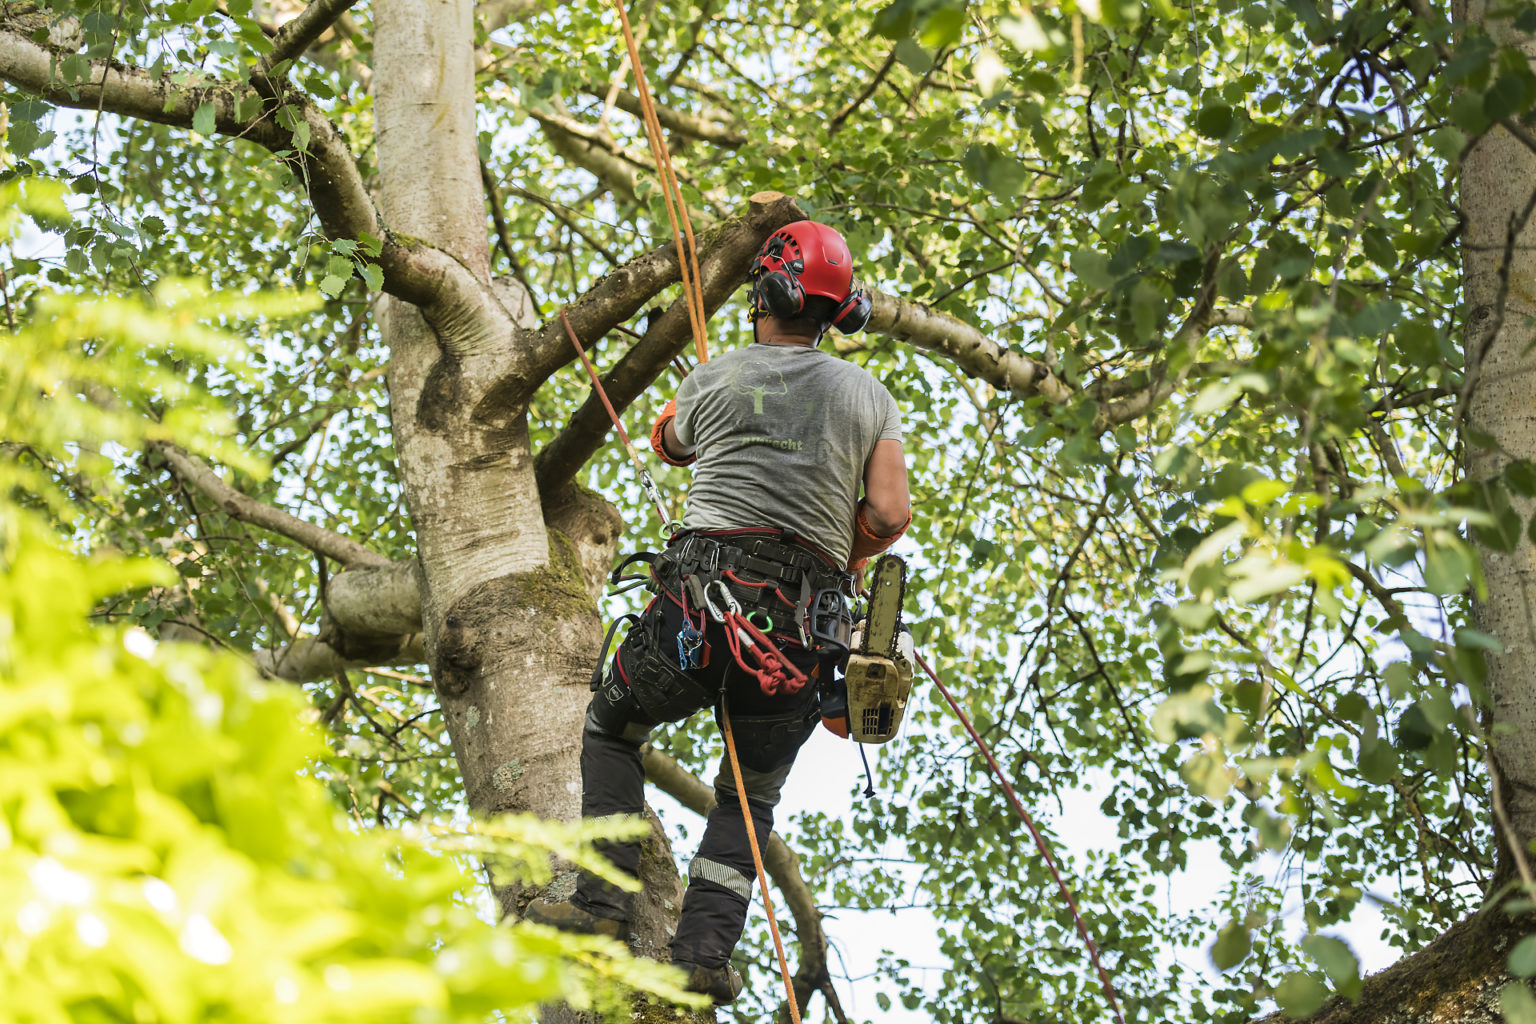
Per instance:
{"type": "Point", "coordinates": [726, 598]}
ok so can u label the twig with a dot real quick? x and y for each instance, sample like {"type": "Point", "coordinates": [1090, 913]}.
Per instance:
{"type": "Point", "coordinates": [869, 90]}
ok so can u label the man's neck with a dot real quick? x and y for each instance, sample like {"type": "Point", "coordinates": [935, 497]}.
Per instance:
{"type": "Point", "coordinates": [766, 337]}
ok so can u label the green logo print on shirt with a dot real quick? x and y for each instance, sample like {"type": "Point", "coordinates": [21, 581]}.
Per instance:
{"type": "Point", "coordinates": [757, 379]}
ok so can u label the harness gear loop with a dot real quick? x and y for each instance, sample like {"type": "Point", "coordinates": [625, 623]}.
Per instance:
{"type": "Point", "coordinates": [757, 858]}
{"type": "Point", "coordinates": [646, 480]}
{"type": "Point", "coordinates": [774, 673]}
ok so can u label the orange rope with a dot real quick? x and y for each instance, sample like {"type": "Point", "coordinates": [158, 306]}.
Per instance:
{"type": "Point", "coordinates": [646, 480]}
{"type": "Point", "coordinates": [757, 859]}
{"type": "Point", "coordinates": [687, 258]}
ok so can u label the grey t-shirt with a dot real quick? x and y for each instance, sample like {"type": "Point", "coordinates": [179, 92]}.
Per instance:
{"type": "Point", "coordinates": [783, 433]}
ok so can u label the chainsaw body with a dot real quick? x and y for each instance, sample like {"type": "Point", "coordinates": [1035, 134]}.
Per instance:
{"type": "Point", "coordinates": [879, 672]}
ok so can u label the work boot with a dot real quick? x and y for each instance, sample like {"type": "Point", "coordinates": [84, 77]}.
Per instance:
{"type": "Point", "coordinates": [568, 917]}
{"type": "Point", "coordinates": [722, 984]}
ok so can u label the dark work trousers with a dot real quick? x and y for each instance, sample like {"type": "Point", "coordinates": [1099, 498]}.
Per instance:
{"type": "Point", "coordinates": [769, 732]}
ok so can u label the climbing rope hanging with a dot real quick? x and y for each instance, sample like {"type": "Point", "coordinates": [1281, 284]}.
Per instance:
{"type": "Point", "coordinates": [1040, 843]}
{"type": "Point", "coordinates": [677, 210]}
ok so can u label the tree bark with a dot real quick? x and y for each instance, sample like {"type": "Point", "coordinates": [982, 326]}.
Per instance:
{"type": "Point", "coordinates": [1499, 263]}
{"type": "Point", "coordinates": [508, 619]}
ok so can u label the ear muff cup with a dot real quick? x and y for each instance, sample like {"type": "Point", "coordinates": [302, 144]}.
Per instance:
{"type": "Point", "coordinates": [780, 294]}
{"type": "Point", "coordinates": [853, 315]}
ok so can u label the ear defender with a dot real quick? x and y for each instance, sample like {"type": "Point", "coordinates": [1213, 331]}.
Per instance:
{"type": "Point", "coordinates": [780, 294]}
{"type": "Point", "coordinates": [853, 315]}
{"type": "Point", "coordinates": [807, 261]}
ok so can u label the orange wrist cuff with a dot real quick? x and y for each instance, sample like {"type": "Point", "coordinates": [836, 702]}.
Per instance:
{"type": "Point", "coordinates": [866, 542]}
{"type": "Point", "coordinates": [658, 436]}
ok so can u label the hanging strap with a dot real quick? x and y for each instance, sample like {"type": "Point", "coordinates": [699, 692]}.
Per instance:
{"type": "Point", "coordinates": [646, 480]}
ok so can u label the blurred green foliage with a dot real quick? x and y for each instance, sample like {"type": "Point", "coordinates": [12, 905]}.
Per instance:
{"type": "Point", "coordinates": [166, 850]}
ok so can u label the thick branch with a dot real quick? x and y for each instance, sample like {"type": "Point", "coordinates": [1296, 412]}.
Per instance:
{"type": "Point", "coordinates": [616, 175]}
{"type": "Point", "coordinates": [724, 263]}
{"type": "Point", "coordinates": [201, 476]}
{"type": "Point", "coordinates": [310, 658]}
{"type": "Point", "coordinates": [301, 33]}
{"type": "Point", "coordinates": [781, 862]}
{"type": "Point", "coordinates": [498, 14]}
{"type": "Point", "coordinates": [411, 272]}
{"type": "Point", "coordinates": [372, 616]}
{"type": "Point", "coordinates": [976, 353]}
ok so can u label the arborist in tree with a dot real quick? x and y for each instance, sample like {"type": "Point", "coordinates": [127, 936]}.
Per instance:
{"type": "Point", "coordinates": [751, 612]}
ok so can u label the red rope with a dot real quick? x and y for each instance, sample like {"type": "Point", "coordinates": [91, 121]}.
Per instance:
{"type": "Point", "coordinates": [1040, 843]}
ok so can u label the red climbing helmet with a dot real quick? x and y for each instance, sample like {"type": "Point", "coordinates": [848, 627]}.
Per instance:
{"type": "Point", "coordinates": [807, 259]}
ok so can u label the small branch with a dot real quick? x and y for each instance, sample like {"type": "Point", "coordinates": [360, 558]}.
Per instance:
{"type": "Point", "coordinates": [412, 271]}
{"type": "Point", "coordinates": [836, 123]}
{"type": "Point", "coordinates": [1188, 338]}
{"type": "Point", "coordinates": [240, 506]}
{"type": "Point", "coordinates": [503, 233]}
{"type": "Point", "coordinates": [301, 33]}
{"type": "Point", "coordinates": [596, 244]}
{"type": "Point", "coordinates": [680, 121]}
{"type": "Point", "coordinates": [5, 290]}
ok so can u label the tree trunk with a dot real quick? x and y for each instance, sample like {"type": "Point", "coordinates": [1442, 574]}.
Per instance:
{"type": "Point", "coordinates": [508, 615]}
{"type": "Point", "coordinates": [508, 578]}
{"type": "Point", "coordinates": [1499, 259]}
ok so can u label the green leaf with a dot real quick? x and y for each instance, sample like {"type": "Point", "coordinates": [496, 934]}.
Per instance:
{"type": "Point", "coordinates": [1214, 120]}
{"type": "Point", "coordinates": [1233, 943]}
{"type": "Point", "coordinates": [1378, 763]}
{"type": "Point", "coordinates": [1300, 994]}
{"type": "Point", "coordinates": [332, 285]}
{"type": "Point", "coordinates": [202, 119]}
{"type": "Point", "coordinates": [1520, 475]}
{"type": "Point", "coordinates": [1522, 959]}
{"type": "Point", "coordinates": [1337, 961]}
{"type": "Point", "coordinates": [1517, 1004]}
{"type": "Point", "coordinates": [372, 276]}
{"type": "Point", "coordinates": [1446, 569]}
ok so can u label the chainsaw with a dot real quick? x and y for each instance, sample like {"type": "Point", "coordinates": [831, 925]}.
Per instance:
{"type": "Point", "coordinates": [879, 673]}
